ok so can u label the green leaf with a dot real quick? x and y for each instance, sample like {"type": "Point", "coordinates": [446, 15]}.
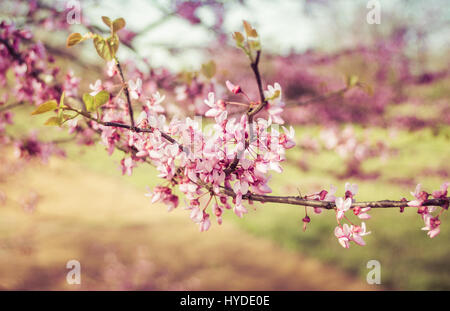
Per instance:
{"type": "Point", "coordinates": [107, 21]}
{"type": "Point", "coordinates": [100, 99]}
{"type": "Point", "coordinates": [74, 39]}
{"type": "Point", "coordinates": [253, 33]}
{"type": "Point", "coordinates": [113, 42]}
{"type": "Point", "coordinates": [94, 102]}
{"type": "Point", "coordinates": [106, 48]}
{"type": "Point", "coordinates": [238, 37]}
{"type": "Point", "coordinates": [352, 80]}
{"type": "Point", "coordinates": [209, 69]}
{"type": "Point", "coordinates": [248, 28]}
{"type": "Point", "coordinates": [255, 45]}
{"type": "Point", "coordinates": [118, 24]}
{"type": "Point", "coordinates": [88, 102]}
{"type": "Point", "coordinates": [103, 48]}
{"type": "Point", "coordinates": [61, 100]}
{"type": "Point", "coordinates": [53, 121]}
{"type": "Point", "coordinates": [45, 107]}
{"type": "Point", "coordinates": [66, 116]}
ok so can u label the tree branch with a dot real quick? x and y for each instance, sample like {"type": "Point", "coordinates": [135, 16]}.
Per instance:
{"type": "Point", "coordinates": [297, 200]}
{"type": "Point", "coordinates": [253, 111]}
{"type": "Point", "coordinates": [126, 91]}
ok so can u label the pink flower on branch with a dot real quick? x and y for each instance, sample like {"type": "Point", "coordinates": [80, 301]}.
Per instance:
{"type": "Point", "coordinates": [135, 88]}
{"type": "Point", "coordinates": [235, 89]}
{"type": "Point", "coordinates": [217, 109]}
{"type": "Point", "coordinates": [275, 106]}
{"type": "Point", "coordinates": [432, 225]}
{"type": "Point", "coordinates": [342, 206]}
{"type": "Point", "coordinates": [421, 196]}
{"type": "Point", "coordinates": [232, 160]}
{"type": "Point", "coordinates": [343, 235]}
{"type": "Point", "coordinates": [350, 190]}
{"type": "Point", "coordinates": [96, 87]}
{"type": "Point", "coordinates": [361, 212]}
{"type": "Point", "coordinates": [442, 193]}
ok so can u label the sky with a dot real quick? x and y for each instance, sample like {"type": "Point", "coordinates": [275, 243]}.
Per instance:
{"type": "Point", "coordinates": [283, 25]}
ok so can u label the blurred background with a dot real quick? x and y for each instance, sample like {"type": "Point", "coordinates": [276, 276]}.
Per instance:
{"type": "Point", "coordinates": [386, 133]}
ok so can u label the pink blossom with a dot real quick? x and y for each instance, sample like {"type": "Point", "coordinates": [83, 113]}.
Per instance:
{"type": "Point", "coordinates": [217, 210]}
{"type": "Point", "coordinates": [442, 193]}
{"type": "Point", "coordinates": [196, 214]}
{"type": "Point", "coordinates": [275, 105]}
{"type": "Point", "coordinates": [432, 225]}
{"type": "Point", "coordinates": [287, 138]}
{"type": "Point", "coordinates": [342, 206]}
{"type": "Point", "coordinates": [421, 196]}
{"type": "Point", "coordinates": [135, 88]}
{"type": "Point", "coordinates": [362, 212]}
{"type": "Point", "coordinates": [350, 190]}
{"type": "Point", "coordinates": [164, 195]}
{"type": "Point", "coordinates": [357, 232]}
{"type": "Point", "coordinates": [96, 88]}
{"type": "Point", "coordinates": [153, 106]}
{"type": "Point", "coordinates": [217, 109]}
{"type": "Point", "coordinates": [240, 210]}
{"type": "Point", "coordinates": [187, 10]}
{"type": "Point", "coordinates": [323, 195]}
{"type": "Point", "coordinates": [235, 89]}
{"type": "Point", "coordinates": [330, 195]}
{"type": "Point", "coordinates": [205, 223]}
{"type": "Point", "coordinates": [343, 235]}
{"type": "Point", "coordinates": [127, 166]}
{"type": "Point", "coordinates": [306, 220]}
{"type": "Point", "coordinates": [111, 69]}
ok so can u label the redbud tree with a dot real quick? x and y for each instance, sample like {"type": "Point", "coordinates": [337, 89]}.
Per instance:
{"type": "Point", "coordinates": [219, 164]}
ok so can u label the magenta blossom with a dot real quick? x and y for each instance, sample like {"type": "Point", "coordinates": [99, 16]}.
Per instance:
{"type": "Point", "coordinates": [350, 190]}
{"type": "Point", "coordinates": [235, 89]}
{"type": "Point", "coordinates": [421, 196]}
{"type": "Point", "coordinates": [361, 212]}
{"type": "Point", "coordinates": [432, 225]}
{"type": "Point", "coordinates": [442, 193]}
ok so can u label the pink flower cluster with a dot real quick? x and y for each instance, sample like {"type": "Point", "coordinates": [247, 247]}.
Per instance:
{"type": "Point", "coordinates": [432, 223]}
{"type": "Point", "coordinates": [346, 233]}
{"type": "Point", "coordinates": [31, 147]}
{"type": "Point", "coordinates": [30, 70]}
{"type": "Point", "coordinates": [200, 157]}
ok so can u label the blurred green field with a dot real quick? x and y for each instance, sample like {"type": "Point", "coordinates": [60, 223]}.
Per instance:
{"type": "Point", "coordinates": [409, 259]}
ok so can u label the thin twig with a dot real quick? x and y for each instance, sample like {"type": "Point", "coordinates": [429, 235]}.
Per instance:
{"type": "Point", "coordinates": [11, 106]}
{"type": "Point", "coordinates": [251, 111]}
{"type": "Point", "coordinates": [297, 200]}
{"type": "Point", "coordinates": [126, 91]}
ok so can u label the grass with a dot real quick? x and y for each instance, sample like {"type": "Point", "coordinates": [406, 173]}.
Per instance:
{"type": "Point", "coordinates": [125, 243]}
{"type": "Point", "coordinates": [409, 259]}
